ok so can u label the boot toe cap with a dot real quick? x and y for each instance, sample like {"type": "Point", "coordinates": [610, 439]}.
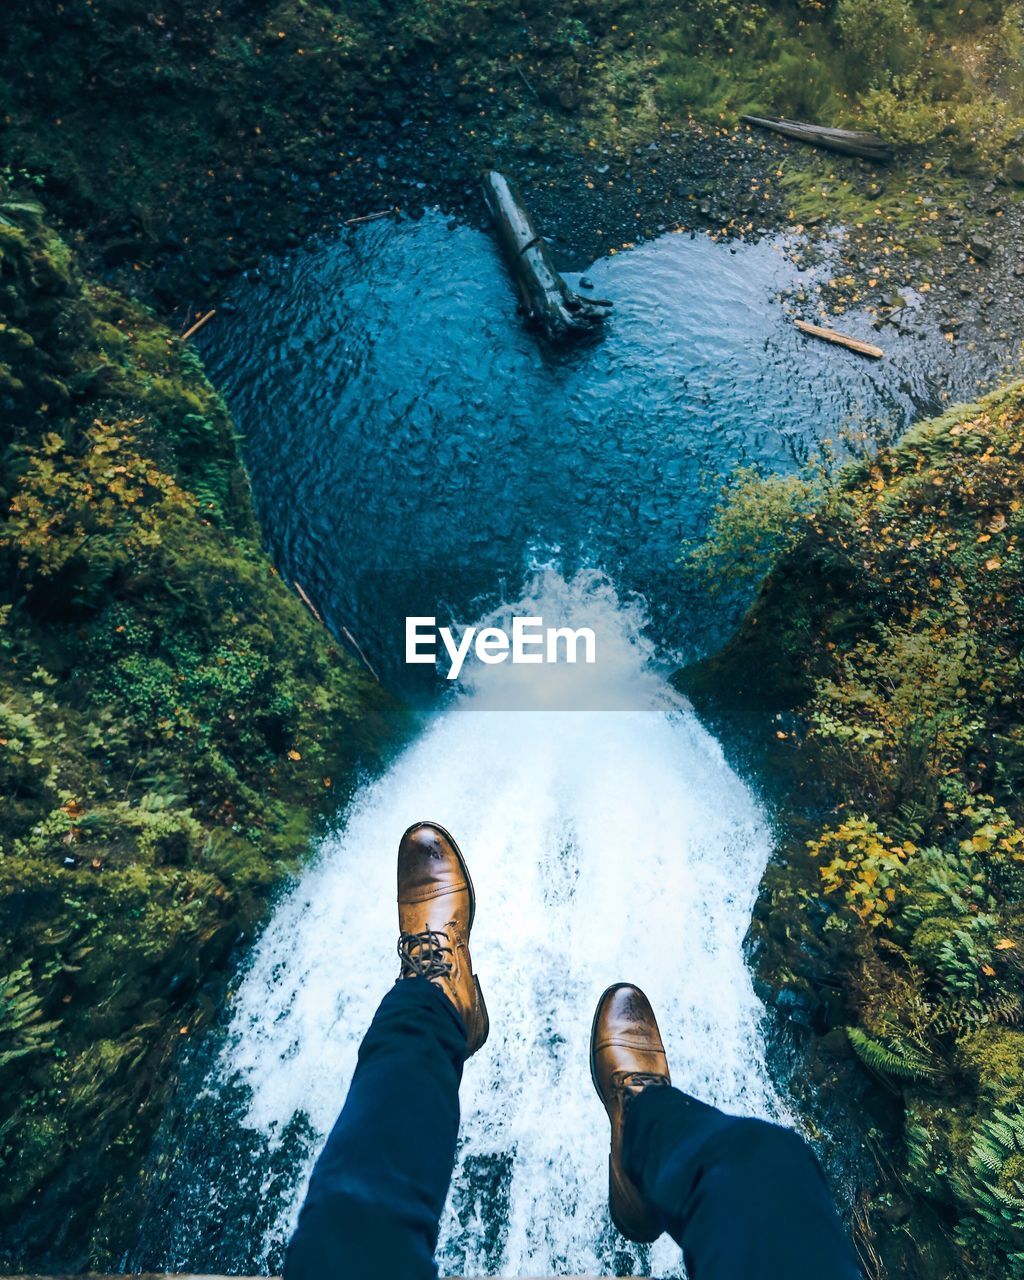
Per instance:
{"type": "Point", "coordinates": [625, 1037]}
{"type": "Point", "coordinates": [431, 869]}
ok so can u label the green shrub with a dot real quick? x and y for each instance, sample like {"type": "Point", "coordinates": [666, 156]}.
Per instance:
{"type": "Point", "coordinates": [690, 85]}
{"type": "Point", "coordinates": [795, 83]}
{"type": "Point", "coordinates": [899, 609]}
{"type": "Point", "coordinates": [903, 113]}
{"type": "Point", "coordinates": [171, 716]}
{"type": "Point", "coordinates": [881, 39]}
{"type": "Point", "coordinates": [757, 519]}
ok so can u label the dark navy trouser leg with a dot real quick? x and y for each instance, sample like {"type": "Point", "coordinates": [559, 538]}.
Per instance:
{"type": "Point", "coordinates": [744, 1199]}
{"type": "Point", "coordinates": [377, 1191]}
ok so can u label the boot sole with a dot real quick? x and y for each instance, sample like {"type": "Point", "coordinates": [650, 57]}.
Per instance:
{"type": "Point", "coordinates": [483, 1010]}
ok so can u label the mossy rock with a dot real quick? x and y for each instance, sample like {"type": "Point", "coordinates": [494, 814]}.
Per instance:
{"type": "Point", "coordinates": [993, 1058]}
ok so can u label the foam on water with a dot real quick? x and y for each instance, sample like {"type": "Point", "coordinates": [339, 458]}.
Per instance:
{"type": "Point", "coordinates": [604, 845]}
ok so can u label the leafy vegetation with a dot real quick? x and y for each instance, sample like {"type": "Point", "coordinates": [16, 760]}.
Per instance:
{"type": "Point", "coordinates": [169, 713]}
{"type": "Point", "coordinates": [757, 518]}
{"type": "Point", "coordinates": [171, 716]}
{"type": "Point", "coordinates": [891, 630]}
{"type": "Point", "coordinates": [264, 110]}
{"type": "Point", "coordinates": [915, 72]}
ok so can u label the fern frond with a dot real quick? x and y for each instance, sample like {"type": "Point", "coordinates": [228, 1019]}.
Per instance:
{"type": "Point", "coordinates": [895, 1061]}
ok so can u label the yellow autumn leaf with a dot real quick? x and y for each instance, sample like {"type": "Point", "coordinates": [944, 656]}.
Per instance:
{"type": "Point", "coordinates": [994, 563]}
{"type": "Point", "coordinates": [294, 755]}
{"type": "Point", "coordinates": [1005, 944]}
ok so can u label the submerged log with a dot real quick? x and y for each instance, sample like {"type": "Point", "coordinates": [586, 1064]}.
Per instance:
{"type": "Point", "coordinates": [840, 339]}
{"type": "Point", "coordinates": [546, 300]}
{"type": "Point", "coordinates": [848, 142]}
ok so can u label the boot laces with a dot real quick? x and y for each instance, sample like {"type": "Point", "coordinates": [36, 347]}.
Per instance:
{"type": "Point", "coordinates": [423, 956]}
{"type": "Point", "coordinates": [632, 1083]}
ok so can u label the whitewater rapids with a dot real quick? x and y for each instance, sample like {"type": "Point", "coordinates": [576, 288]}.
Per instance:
{"type": "Point", "coordinates": [605, 844]}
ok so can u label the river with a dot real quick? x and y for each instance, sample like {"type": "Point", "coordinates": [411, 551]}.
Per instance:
{"type": "Point", "coordinates": [414, 451]}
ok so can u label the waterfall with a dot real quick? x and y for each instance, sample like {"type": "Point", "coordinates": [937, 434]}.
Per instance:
{"type": "Point", "coordinates": [605, 844]}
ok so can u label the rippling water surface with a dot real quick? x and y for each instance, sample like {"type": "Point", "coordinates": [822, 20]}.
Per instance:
{"type": "Point", "coordinates": [400, 424]}
{"type": "Point", "coordinates": [414, 451]}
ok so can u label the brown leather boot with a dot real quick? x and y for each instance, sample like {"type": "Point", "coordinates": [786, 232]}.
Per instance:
{"type": "Point", "coordinates": [626, 1057]}
{"type": "Point", "coordinates": [436, 905]}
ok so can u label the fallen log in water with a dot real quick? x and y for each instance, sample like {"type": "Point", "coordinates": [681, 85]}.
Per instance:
{"type": "Point", "coordinates": [547, 301]}
{"type": "Point", "coordinates": [840, 339]}
{"type": "Point", "coordinates": [848, 142]}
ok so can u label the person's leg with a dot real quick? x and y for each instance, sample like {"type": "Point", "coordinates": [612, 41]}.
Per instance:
{"type": "Point", "coordinates": [376, 1194]}
{"type": "Point", "coordinates": [744, 1199]}
{"type": "Point", "coordinates": [377, 1191]}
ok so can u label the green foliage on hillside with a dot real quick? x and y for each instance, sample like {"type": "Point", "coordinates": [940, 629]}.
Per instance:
{"type": "Point", "coordinates": [171, 716]}
{"type": "Point", "coordinates": [169, 713]}
{"type": "Point", "coordinates": [944, 74]}
{"type": "Point", "coordinates": [250, 102]}
{"type": "Point", "coordinates": [185, 132]}
{"type": "Point", "coordinates": [893, 626]}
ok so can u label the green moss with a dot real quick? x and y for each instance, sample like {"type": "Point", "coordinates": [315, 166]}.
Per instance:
{"type": "Point", "coordinates": [172, 719]}
{"type": "Point", "coordinates": [929, 940]}
{"type": "Point", "coordinates": [913, 73]}
{"type": "Point", "coordinates": [891, 635]}
{"type": "Point", "coordinates": [994, 1059]}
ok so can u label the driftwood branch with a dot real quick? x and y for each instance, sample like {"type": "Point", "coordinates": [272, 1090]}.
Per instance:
{"type": "Point", "coordinates": [308, 603]}
{"type": "Point", "coordinates": [359, 649]}
{"type": "Point", "coordinates": [198, 325]}
{"type": "Point", "coordinates": [372, 217]}
{"type": "Point", "coordinates": [848, 142]}
{"type": "Point", "coordinates": [547, 301]}
{"type": "Point", "coordinates": [344, 630]}
{"type": "Point", "coordinates": [840, 339]}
